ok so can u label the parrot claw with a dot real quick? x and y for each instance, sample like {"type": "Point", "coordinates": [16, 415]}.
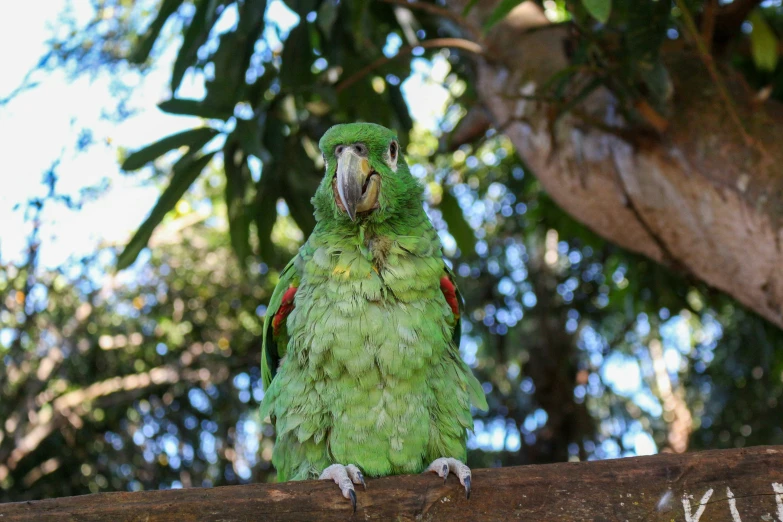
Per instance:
{"type": "Point", "coordinates": [345, 477]}
{"type": "Point", "coordinates": [443, 466]}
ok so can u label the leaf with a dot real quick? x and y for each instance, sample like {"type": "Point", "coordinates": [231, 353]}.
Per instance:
{"type": "Point", "coordinates": [194, 108]}
{"type": "Point", "coordinates": [268, 187]}
{"type": "Point", "coordinates": [254, 93]}
{"type": "Point", "coordinates": [296, 58]}
{"type": "Point", "coordinates": [763, 42]}
{"type": "Point", "coordinates": [579, 97]}
{"type": "Point", "coordinates": [301, 7]}
{"type": "Point", "coordinates": [301, 211]}
{"type": "Point", "coordinates": [195, 35]}
{"type": "Point", "coordinates": [299, 179]}
{"type": "Point", "coordinates": [656, 78]}
{"type": "Point", "coordinates": [227, 84]}
{"type": "Point", "coordinates": [265, 216]}
{"type": "Point", "coordinates": [360, 21]}
{"type": "Point", "coordinates": [400, 108]}
{"type": "Point", "coordinates": [237, 176]}
{"type": "Point", "coordinates": [458, 226]}
{"type": "Point", "coordinates": [249, 135]}
{"type": "Point", "coordinates": [503, 8]}
{"type": "Point", "coordinates": [185, 172]}
{"type": "Point", "coordinates": [193, 138]}
{"type": "Point", "coordinates": [144, 47]}
{"type": "Point", "coordinates": [251, 14]}
{"type": "Point", "coordinates": [599, 9]}
{"type": "Point", "coordinates": [469, 7]}
{"type": "Point", "coordinates": [233, 54]}
{"type": "Point", "coordinates": [647, 25]}
{"type": "Point", "coordinates": [327, 15]}
{"type": "Point", "coordinates": [364, 101]}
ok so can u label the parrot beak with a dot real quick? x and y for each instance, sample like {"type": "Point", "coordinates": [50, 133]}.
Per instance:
{"type": "Point", "coordinates": [357, 183]}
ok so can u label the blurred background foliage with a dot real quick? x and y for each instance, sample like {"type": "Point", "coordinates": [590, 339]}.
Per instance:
{"type": "Point", "coordinates": [149, 377]}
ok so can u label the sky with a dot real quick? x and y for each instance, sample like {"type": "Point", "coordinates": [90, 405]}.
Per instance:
{"type": "Point", "coordinates": [42, 125]}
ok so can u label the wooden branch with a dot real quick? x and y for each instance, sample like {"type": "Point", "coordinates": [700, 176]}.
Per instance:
{"type": "Point", "coordinates": [435, 43]}
{"type": "Point", "coordinates": [709, 63]}
{"type": "Point", "coordinates": [473, 30]}
{"type": "Point", "coordinates": [722, 485]}
{"type": "Point", "coordinates": [68, 407]}
{"type": "Point", "coordinates": [708, 23]}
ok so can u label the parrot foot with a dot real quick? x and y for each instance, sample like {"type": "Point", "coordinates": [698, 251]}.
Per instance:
{"type": "Point", "coordinates": [443, 466]}
{"type": "Point", "coordinates": [345, 477]}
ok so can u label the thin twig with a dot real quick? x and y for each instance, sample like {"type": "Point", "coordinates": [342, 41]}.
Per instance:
{"type": "Point", "coordinates": [708, 22]}
{"type": "Point", "coordinates": [706, 57]}
{"type": "Point", "coordinates": [474, 31]}
{"type": "Point", "coordinates": [459, 43]}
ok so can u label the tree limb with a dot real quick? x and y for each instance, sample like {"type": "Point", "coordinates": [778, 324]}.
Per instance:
{"type": "Point", "coordinates": [718, 485]}
{"type": "Point", "coordinates": [709, 63]}
{"type": "Point", "coordinates": [437, 10]}
{"type": "Point", "coordinates": [458, 43]}
{"type": "Point", "coordinates": [698, 193]}
{"type": "Point", "coordinates": [69, 407]}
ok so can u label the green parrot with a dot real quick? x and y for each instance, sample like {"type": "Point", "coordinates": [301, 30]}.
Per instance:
{"type": "Point", "coordinates": [360, 364]}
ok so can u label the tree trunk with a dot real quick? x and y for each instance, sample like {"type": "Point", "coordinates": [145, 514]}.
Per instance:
{"type": "Point", "coordinates": [725, 485]}
{"type": "Point", "coordinates": [699, 196]}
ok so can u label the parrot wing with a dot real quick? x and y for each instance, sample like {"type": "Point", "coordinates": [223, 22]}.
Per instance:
{"type": "Point", "coordinates": [455, 301]}
{"type": "Point", "coordinates": [275, 331]}
{"type": "Point", "coordinates": [454, 298]}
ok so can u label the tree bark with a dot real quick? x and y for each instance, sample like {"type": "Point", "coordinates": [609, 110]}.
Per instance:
{"type": "Point", "coordinates": [699, 196]}
{"type": "Point", "coordinates": [724, 485]}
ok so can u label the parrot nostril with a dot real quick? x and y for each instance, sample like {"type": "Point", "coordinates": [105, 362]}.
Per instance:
{"type": "Point", "coordinates": [361, 149]}
{"type": "Point", "coordinates": [339, 150]}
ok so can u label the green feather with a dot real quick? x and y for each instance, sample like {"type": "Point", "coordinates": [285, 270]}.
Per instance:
{"type": "Point", "coordinates": [366, 369]}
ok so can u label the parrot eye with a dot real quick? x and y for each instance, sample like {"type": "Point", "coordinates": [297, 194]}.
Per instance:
{"type": "Point", "coordinates": [393, 151]}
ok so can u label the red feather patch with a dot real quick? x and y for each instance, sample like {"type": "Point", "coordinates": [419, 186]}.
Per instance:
{"type": "Point", "coordinates": [450, 293]}
{"type": "Point", "coordinates": [286, 305]}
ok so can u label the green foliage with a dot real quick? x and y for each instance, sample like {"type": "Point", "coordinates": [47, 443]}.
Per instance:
{"type": "Point", "coordinates": [144, 47]}
{"type": "Point", "coordinates": [599, 9]}
{"type": "Point", "coordinates": [286, 102]}
{"type": "Point", "coordinates": [198, 108]}
{"type": "Point", "coordinates": [501, 10]}
{"type": "Point", "coordinates": [295, 68]}
{"type": "Point", "coordinates": [194, 139]}
{"type": "Point", "coordinates": [763, 42]}
{"type": "Point", "coordinates": [184, 173]}
{"type": "Point", "coordinates": [553, 315]}
{"type": "Point", "coordinates": [452, 214]}
{"type": "Point", "coordinates": [195, 35]}
{"type": "Point", "coordinates": [558, 326]}
{"type": "Point", "coordinates": [237, 175]}
{"type": "Point", "coordinates": [143, 381]}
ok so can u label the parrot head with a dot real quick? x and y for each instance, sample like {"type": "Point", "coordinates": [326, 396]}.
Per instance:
{"type": "Point", "coordinates": [366, 177]}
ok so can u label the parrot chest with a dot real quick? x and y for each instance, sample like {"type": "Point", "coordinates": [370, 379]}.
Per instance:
{"type": "Point", "coordinates": [365, 343]}
{"type": "Point", "coordinates": [367, 355]}
{"type": "Point", "coordinates": [370, 316]}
